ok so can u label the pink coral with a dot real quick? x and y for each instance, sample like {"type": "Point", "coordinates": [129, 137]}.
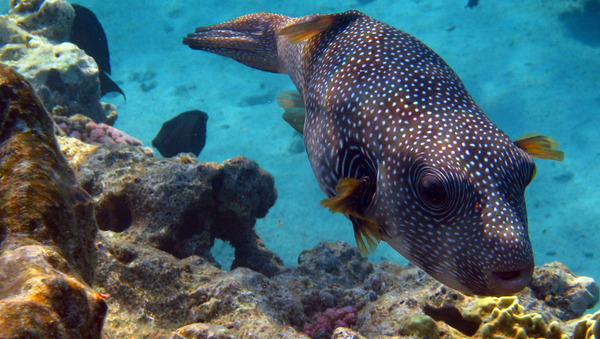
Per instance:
{"type": "Point", "coordinates": [332, 318]}
{"type": "Point", "coordinates": [85, 129]}
{"type": "Point", "coordinates": [103, 133]}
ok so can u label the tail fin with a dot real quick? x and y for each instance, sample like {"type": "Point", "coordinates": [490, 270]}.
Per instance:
{"type": "Point", "coordinates": [249, 39]}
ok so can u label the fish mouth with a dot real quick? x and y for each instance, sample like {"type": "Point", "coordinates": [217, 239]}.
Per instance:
{"type": "Point", "coordinates": [508, 282]}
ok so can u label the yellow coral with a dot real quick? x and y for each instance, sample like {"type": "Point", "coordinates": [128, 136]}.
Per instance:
{"type": "Point", "coordinates": [420, 326]}
{"type": "Point", "coordinates": [505, 318]}
{"type": "Point", "coordinates": [588, 327]}
{"type": "Point", "coordinates": [74, 150]}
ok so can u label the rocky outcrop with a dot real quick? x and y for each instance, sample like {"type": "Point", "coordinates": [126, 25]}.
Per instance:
{"type": "Point", "coordinates": [333, 292]}
{"type": "Point", "coordinates": [179, 205]}
{"type": "Point", "coordinates": [154, 293]}
{"type": "Point", "coordinates": [33, 42]}
{"type": "Point", "coordinates": [47, 227]}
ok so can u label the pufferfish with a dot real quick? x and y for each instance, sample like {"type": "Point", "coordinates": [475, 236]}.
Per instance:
{"type": "Point", "coordinates": [397, 143]}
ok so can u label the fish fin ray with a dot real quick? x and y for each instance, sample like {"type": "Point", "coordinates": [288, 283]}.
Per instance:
{"type": "Point", "coordinates": [307, 28]}
{"type": "Point", "coordinates": [294, 110]}
{"type": "Point", "coordinates": [366, 233]}
{"type": "Point", "coordinates": [342, 202]}
{"type": "Point", "coordinates": [540, 146]}
{"type": "Point", "coordinates": [366, 230]}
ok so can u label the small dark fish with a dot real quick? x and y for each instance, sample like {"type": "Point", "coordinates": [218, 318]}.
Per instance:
{"type": "Point", "coordinates": [88, 34]}
{"type": "Point", "coordinates": [184, 133]}
{"type": "Point", "coordinates": [398, 144]}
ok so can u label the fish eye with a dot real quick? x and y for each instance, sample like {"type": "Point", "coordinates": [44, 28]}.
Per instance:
{"type": "Point", "coordinates": [433, 190]}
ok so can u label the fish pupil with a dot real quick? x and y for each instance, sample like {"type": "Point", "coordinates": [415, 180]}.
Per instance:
{"type": "Point", "coordinates": [432, 190]}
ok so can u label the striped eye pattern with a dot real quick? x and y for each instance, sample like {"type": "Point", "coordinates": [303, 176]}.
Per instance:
{"type": "Point", "coordinates": [440, 194]}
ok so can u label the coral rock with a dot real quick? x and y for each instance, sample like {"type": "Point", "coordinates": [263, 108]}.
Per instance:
{"type": "Point", "coordinates": [152, 292]}
{"type": "Point", "coordinates": [38, 178]}
{"type": "Point", "coordinates": [346, 333]}
{"type": "Point", "coordinates": [560, 288]}
{"type": "Point", "coordinates": [47, 227]}
{"type": "Point", "coordinates": [420, 326]}
{"type": "Point", "coordinates": [325, 322]}
{"type": "Point", "coordinates": [63, 76]}
{"type": "Point", "coordinates": [48, 18]}
{"type": "Point", "coordinates": [39, 300]}
{"type": "Point", "coordinates": [179, 205]}
{"type": "Point", "coordinates": [588, 327]}
{"type": "Point", "coordinates": [203, 331]}
{"type": "Point", "coordinates": [505, 317]}
{"type": "Point", "coordinates": [328, 276]}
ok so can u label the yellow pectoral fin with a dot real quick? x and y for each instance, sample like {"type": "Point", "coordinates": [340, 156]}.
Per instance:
{"type": "Point", "coordinates": [307, 28]}
{"type": "Point", "coordinates": [367, 236]}
{"type": "Point", "coordinates": [540, 146]}
{"type": "Point", "coordinates": [345, 193]}
{"type": "Point", "coordinates": [366, 231]}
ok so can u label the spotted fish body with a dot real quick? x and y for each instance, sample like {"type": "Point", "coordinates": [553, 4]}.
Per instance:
{"type": "Point", "coordinates": [398, 144]}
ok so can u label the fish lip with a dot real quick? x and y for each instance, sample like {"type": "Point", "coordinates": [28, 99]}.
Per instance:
{"type": "Point", "coordinates": [502, 286]}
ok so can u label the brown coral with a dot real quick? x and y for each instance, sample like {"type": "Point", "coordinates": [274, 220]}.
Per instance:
{"type": "Point", "coordinates": [179, 205]}
{"type": "Point", "coordinates": [46, 227]}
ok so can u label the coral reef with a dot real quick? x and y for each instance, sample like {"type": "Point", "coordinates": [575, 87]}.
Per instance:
{"type": "Point", "coordinates": [85, 129]}
{"type": "Point", "coordinates": [586, 328]}
{"type": "Point", "coordinates": [570, 294]}
{"type": "Point", "coordinates": [39, 178]}
{"type": "Point", "coordinates": [506, 317]}
{"type": "Point", "coordinates": [149, 272]}
{"type": "Point", "coordinates": [377, 301]}
{"type": "Point", "coordinates": [323, 323]}
{"type": "Point", "coordinates": [50, 19]}
{"type": "Point", "coordinates": [179, 205]}
{"type": "Point", "coordinates": [328, 276]}
{"type": "Point", "coordinates": [151, 292]}
{"type": "Point", "coordinates": [159, 218]}
{"type": "Point", "coordinates": [346, 333]}
{"type": "Point", "coordinates": [47, 227]}
{"type": "Point", "coordinates": [431, 310]}
{"type": "Point", "coordinates": [63, 76]}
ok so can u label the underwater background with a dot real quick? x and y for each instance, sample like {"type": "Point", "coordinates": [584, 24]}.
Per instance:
{"type": "Point", "coordinates": [532, 66]}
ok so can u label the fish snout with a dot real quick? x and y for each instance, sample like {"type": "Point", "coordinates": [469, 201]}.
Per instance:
{"type": "Point", "coordinates": [249, 39]}
{"type": "Point", "coordinates": [509, 280]}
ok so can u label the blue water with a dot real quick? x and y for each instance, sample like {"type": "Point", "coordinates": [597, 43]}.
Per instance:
{"type": "Point", "coordinates": [533, 66]}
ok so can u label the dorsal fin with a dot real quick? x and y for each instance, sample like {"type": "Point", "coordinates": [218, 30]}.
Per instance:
{"type": "Point", "coordinates": [294, 110]}
{"type": "Point", "coordinates": [307, 28]}
{"type": "Point", "coordinates": [540, 146]}
{"type": "Point", "coordinates": [349, 193]}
